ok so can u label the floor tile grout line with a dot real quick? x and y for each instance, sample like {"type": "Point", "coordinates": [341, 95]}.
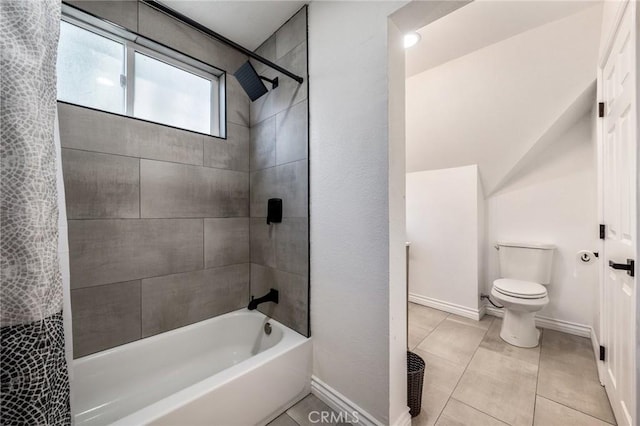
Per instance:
{"type": "Point", "coordinates": [535, 396]}
{"type": "Point", "coordinates": [558, 402]}
{"type": "Point", "coordinates": [575, 409]}
{"type": "Point", "coordinates": [480, 411]}
{"type": "Point", "coordinates": [430, 332]}
{"type": "Point", "coordinates": [462, 375]}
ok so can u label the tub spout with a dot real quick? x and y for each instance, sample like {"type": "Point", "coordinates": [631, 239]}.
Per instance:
{"type": "Point", "coordinates": [272, 296]}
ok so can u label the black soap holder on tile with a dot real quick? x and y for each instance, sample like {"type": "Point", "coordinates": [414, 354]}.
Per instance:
{"type": "Point", "coordinates": [274, 210]}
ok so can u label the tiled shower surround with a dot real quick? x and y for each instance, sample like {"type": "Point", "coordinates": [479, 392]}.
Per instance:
{"type": "Point", "coordinates": [279, 169]}
{"type": "Point", "coordinates": [165, 224]}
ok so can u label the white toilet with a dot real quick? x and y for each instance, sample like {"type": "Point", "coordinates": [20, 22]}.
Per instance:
{"type": "Point", "coordinates": [525, 270]}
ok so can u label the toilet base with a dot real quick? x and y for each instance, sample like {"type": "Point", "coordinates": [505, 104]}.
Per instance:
{"type": "Point", "coordinates": [519, 329]}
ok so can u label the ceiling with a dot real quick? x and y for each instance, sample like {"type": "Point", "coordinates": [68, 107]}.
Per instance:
{"type": "Point", "coordinates": [498, 105]}
{"type": "Point", "coordinates": [480, 24]}
{"type": "Point", "coordinates": [248, 23]}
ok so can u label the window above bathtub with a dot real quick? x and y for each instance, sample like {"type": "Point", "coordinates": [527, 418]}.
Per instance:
{"type": "Point", "coordinates": [105, 67]}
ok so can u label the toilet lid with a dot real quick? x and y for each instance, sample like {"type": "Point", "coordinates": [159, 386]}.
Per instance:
{"type": "Point", "coordinates": [520, 289]}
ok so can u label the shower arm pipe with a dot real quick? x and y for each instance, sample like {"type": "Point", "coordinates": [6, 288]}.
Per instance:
{"type": "Point", "coordinates": [185, 19]}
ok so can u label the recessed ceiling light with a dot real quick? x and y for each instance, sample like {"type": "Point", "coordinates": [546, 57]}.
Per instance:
{"type": "Point", "coordinates": [411, 39]}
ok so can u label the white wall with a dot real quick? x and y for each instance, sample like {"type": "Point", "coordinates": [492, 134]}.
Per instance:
{"type": "Point", "coordinates": [397, 228]}
{"type": "Point", "coordinates": [349, 197]}
{"type": "Point", "coordinates": [554, 200]}
{"type": "Point", "coordinates": [443, 225]}
{"type": "Point", "coordinates": [472, 111]}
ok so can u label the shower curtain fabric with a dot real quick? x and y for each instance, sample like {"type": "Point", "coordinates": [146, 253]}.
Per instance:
{"type": "Point", "coordinates": [34, 380]}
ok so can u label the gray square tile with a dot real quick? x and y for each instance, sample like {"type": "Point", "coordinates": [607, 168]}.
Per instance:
{"type": "Point", "coordinates": [263, 242]}
{"type": "Point", "coordinates": [109, 251]}
{"type": "Point", "coordinates": [292, 33]}
{"type": "Point", "coordinates": [263, 144]}
{"type": "Point", "coordinates": [159, 142]}
{"type": "Point", "coordinates": [123, 13]}
{"type": "Point", "coordinates": [283, 420]}
{"type": "Point", "coordinates": [292, 309]}
{"type": "Point", "coordinates": [292, 245]}
{"type": "Point", "coordinates": [90, 130]}
{"type": "Point", "coordinates": [568, 375]}
{"type": "Point", "coordinates": [416, 335]}
{"type": "Point", "coordinates": [264, 107]}
{"type": "Point", "coordinates": [454, 341]}
{"type": "Point", "coordinates": [176, 190]}
{"type": "Point", "coordinates": [100, 185]}
{"type": "Point", "coordinates": [268, 51]}
{"type": "Point", "coordinates": [549, 413]}
{"type": "Point", "coordinates": [440, 379]}
{"type": "Point", "coordinates": [292, 134]}
{"type": "Point", "coordinates": [500, 386]}
{"type": "Point", "coordinates": [458, 414]}
{"type": "Point", "coordinates": [226, 241]}
{"type": "Point", "coordinates": [288, 182]}
{"type": "Point", "coordinates": [301, 413]}
{"type": "Point", "coordinates": [238, 103]}
{"type": "Point", "coordinates": [573, 354]}
{"type": "Point", "coordinates": [425, 317]}
{"type": "Point", "coordinates": [440, 373]}
{"type": "Point", "coordinates": [174, 301]}
{"type": "Point", "coordinates": [290, 92]}
{"type": "Point", "coordinates": [264, 185]}
{"type": "Point", "coordinates": [232, 153]}
{"type": "Point", "coordinates": [292, 186]}
{"type": "Point", "coordinates": [493, 342]}
{"type": "Point", "coordinates": [433, 402]}
{"type": "Point", "coordinates": [105, 317]}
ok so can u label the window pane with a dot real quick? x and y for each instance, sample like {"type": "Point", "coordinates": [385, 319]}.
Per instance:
{"type": "Point", "coordinates": [169, 95]}
{"type": "Point", "coordinates": [89, 68]}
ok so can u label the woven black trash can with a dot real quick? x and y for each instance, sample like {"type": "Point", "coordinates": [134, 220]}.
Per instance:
{"type": "Point", "coordinates": [415, 378]}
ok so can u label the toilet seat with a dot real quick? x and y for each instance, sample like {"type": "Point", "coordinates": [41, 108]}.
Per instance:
{"type": "Point", "coordinates": [520, 289]}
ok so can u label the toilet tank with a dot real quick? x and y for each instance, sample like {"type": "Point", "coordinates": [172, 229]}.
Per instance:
{"type": "Point", "coordinates": [526, 261]}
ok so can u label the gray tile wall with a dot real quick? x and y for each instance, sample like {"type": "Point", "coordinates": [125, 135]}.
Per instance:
{"type": "Point", "coordinates": [158, 217]}
{"type": "Point", "coordinates": [279, 169]}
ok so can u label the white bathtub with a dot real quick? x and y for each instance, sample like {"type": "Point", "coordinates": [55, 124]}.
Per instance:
{"type": "Point", "coordinates": [222, 371]}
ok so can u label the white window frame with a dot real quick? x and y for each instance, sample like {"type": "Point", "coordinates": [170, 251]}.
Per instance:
{"type": "Point", "coordinates": [133, 44]}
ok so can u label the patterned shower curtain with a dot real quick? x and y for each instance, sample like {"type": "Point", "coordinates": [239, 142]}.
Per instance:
{"type": "Point", "coordinates": [34, 381]}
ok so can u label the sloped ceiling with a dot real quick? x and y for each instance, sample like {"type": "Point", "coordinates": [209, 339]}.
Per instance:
{"type": "Point", "coordinates": [480, 24]}
{"type": "Point", "coordinates": [493, 105]}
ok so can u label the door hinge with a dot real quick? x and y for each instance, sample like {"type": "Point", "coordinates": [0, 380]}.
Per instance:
{"type": "Point", "coordinates": [602, 352]}
{"type": "Point", "coordinates": [600, 109]}
{"type": "Point", "coordinates": [602, 231]}
{"type": "Point", "coordinates": [123, 80]}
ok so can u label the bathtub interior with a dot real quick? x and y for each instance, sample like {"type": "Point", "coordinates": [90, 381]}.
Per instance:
{"type": "Point", "coordinates": [114, 383]}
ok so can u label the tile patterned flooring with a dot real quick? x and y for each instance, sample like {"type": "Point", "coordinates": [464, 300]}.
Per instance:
{"type": "Point", "coordinates": [473, 378]}
{"type": "Point", "coordinates": [298, 415]}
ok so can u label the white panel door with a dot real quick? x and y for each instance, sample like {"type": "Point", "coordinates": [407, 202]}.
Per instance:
{"type": "Point", "coordinates": [619, 145]}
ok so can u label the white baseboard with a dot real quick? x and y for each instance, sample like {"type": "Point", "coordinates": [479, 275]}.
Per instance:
{"type": "Point", "coordinates": [482, 311]}
{"type": "Point", "coordinates": [551, 323]}
{"type": "Point", "coordinates": [596, 351]}
{"type": "Point", "coordinates": [452, 308]}
{"type": "Point", "coordinates": [342, 404]}
{"type": "Point", "coordinates": [404, 419]}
